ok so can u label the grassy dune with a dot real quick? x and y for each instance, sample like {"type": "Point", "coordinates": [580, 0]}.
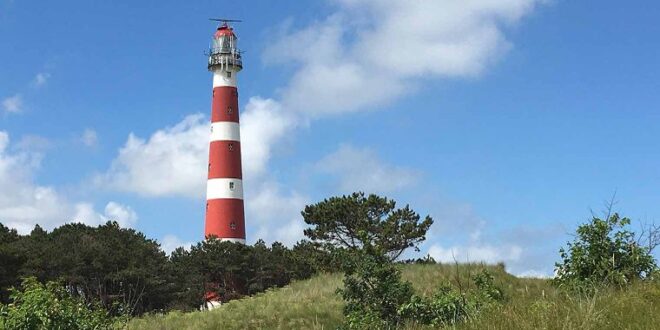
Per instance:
{"type": "Point", "coordinates": [532, 304]}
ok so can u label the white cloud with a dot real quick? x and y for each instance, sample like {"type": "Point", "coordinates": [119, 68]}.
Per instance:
{"type": "Point", "coordinates": [124, 215]}
{"type": "Point", "coordinates": [173, 160]}
{"type": "Point", "coordinates": [263, 124]}
{"type": "Point", "coordinates": [275, 214]}
{"type": "Point", "coordinates": [89, 137]}
{"type": "Point", "coordinates": [489, 254]}
{"type": "Point", "coordinates": [40, 79]}
{"type": "Point", "coordinates": [371, 52]}
{"type": "Point", "coordinates": [13, 104]}
{"type": "Point", "coordinates": [23, 204]}
{"type": "Point", "coordinates": [361, 169]}
{"type": "Point", "coordinates": [533, 274]}
{"type": "Point", "coordinates": [170, 243]}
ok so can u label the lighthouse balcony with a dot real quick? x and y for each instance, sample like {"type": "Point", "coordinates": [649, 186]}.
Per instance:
{"type": "Point", "coordinates": [224, 60]}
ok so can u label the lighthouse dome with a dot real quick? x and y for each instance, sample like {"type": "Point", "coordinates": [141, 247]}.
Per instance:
{"type": "Point", "coordinates": [224, 41]}
{"type": "Point", "coordinates": [224, 31]}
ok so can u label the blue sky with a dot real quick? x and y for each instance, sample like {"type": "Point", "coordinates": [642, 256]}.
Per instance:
{"type": "Point", "coordinates": [507, 121]}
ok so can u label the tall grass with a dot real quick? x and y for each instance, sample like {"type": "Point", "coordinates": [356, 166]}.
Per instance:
{"type": "Point", "coordinates": [531, 304]}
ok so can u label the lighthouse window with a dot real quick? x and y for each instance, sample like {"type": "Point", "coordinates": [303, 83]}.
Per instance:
{"type": "Point", "coordinates": [230, 110]}
{"type": "Point", "coordinates": [231, 147]}
{"type": "Point", "coordinates": [207, 206]}
{"type": "Point", "coordinates": [209, 166]}
{"type": "Point", "coordinates": [228, 74]}
{"type": "Point", "coordinates": [232, 225]}
{"type": "Point", "coordinates": [231, 186]}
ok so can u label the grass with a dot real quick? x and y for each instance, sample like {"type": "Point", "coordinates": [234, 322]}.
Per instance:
{"type": "Point", "coordinates": [531, 304]}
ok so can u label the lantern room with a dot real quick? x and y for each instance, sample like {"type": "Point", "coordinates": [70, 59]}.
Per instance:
{"type": "Point", "coordinates": [224, 53]}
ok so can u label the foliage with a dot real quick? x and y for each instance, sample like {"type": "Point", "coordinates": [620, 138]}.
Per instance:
{"type": "Point", "coordinates": [129, 274]}
{"type": "Point", "coordinates": [50, 306]}
{"type": "Point", "coordinates": [603, 252]}
{"type": "Point", "coordinates": [448, 306]}
{"type": "Point", "coordinates": [337, 221]}
{"type": "Point", "coordinates": [109, 264]}
{"type": "Point", "coordinates": [445, 307]}
{"type": "Point", "coordinates": [529, 304]}
{"type": "Point", "coordinates": [228, 270]}
{"type": "Point", "coordinates": [486, 288]}
{"type": "Point", "coordinates": [373, 290]}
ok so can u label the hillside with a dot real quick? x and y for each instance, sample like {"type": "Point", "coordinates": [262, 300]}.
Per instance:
{"type": "Point", "coordinates": [532, 304]}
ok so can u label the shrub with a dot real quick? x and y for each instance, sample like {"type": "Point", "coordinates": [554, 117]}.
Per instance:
{"type": "Point", "coordinates": [604, 252]}
{"type": "Point", "coordinates": [448, 306]}
{"type": "Point", "coordinates": [49, 306]}
{"type": "Point", "coordinates": [373, 290]}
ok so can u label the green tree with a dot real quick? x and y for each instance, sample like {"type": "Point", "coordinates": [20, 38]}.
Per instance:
{"type": "Point", "coordinates": [9, 260]}
{"type": "Point", "coordinates": [373, 290]}
{"type": "Point", "coordinates": [38, 306]}
{"type": "Point", "coordinates": [338, 222]}
{"type": "Point", "coordinates": [603, 252]}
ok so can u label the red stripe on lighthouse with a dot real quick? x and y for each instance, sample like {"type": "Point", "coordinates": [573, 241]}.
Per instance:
{"type": "Point", "coordinates": [225, 104]}
{"type": "Point", "coordinates": [225, 160]}
{"type": "Point", "coordinates": [228, 216]}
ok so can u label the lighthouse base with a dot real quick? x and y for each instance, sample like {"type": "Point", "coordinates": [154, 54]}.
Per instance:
{"type": "Point", "coordinates": [210, 305]}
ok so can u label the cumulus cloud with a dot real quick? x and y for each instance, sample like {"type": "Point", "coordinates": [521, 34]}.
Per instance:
{"type": "Point", "coordinates": [40, 79]}
{"type": "Point", "coordinates": [173, 160]}
{"type": "Point", "coordinates": [23, 204]}
{"type": "Point", "coordinates": [170, 243]}
{"type": "Point", "coordinates": [361, 169]}
{"type": "Point", "coordinates": [13, 104]}
{"type": "Point", "coordinates": [263, 124]}
{"type": "Point", "coordinates": [89, 137]}
{"type": "Point", "coordinates": [486, 253]}
{"type": "Point", "coordinates": [122, 214]}
{"type": "Point", "coordinates": [275, 214]}
{"type": "Point", "coordinates": [371, 52]}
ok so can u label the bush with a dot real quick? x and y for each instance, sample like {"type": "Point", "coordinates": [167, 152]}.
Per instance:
{"type": "Point", "coordinates": [373, 290]}
{"type": "Point", "coordinates": [448, 306]}
{"type": "Point", "coordinates": [604, 252]}
{"type": "Point", "coordinates": [39, 306]}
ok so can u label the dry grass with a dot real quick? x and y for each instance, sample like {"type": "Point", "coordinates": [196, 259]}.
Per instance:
{"type": "Point", "coordinates": [532, 304]}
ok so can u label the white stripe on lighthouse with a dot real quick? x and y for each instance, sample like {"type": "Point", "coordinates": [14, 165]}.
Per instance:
{"type": "Point", "coordinates": [225, 131]}
{"type": "Point", "coordinates": [224, 188]}
{"type": "Point", "coordinates": [222, 78]}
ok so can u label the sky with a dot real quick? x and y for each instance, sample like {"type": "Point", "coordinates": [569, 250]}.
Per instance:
{"type": "Point", "coordinates": [508, 121]}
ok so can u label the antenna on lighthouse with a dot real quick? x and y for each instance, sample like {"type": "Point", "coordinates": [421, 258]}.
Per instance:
{"type": "Point", "coordinates": [225, 20]}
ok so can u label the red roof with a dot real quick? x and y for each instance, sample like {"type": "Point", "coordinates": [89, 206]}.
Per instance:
{"type": "Point", "coordinates": [224, 30]}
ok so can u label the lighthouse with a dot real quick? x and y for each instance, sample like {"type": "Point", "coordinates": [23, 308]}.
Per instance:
{"type": "Point", "coordinates": [225, 217]}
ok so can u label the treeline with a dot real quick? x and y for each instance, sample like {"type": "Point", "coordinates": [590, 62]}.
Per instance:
{"type": "Point", "coordinates": [129, 274]}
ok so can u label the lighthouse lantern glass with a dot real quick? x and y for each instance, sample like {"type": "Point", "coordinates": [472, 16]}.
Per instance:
{"type": "Point", "coordinates": [224, 44]}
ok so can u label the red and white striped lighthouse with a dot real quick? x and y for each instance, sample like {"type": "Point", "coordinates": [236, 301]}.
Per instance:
{"type": "Point", "coordinates": [225, 217]}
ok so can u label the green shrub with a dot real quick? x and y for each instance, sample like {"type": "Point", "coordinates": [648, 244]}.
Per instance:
{"type": "Point", "coordinates": [448, 306]}
{"type": "Point", "coordinates": [49, 306]}
{"type": "Point", "coordinates": [445, 307]}
{"type": "Point", "coordinates": [604, 252]}
{"type": "Point", "coordinates": [373, 290]}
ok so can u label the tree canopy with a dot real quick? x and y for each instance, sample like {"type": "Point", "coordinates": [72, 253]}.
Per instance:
{"type": "Point", "coordinates": [354, 220]}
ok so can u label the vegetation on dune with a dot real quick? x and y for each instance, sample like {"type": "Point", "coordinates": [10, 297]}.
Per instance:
{"type": "Point", "coordinates": [128, 274]}
{"type": "Point", "coordinates": [530, 304]}
{"type": "Point", "coordinates": [346, 277]}
{"type": "Point", "coordinates": [50, 306]}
